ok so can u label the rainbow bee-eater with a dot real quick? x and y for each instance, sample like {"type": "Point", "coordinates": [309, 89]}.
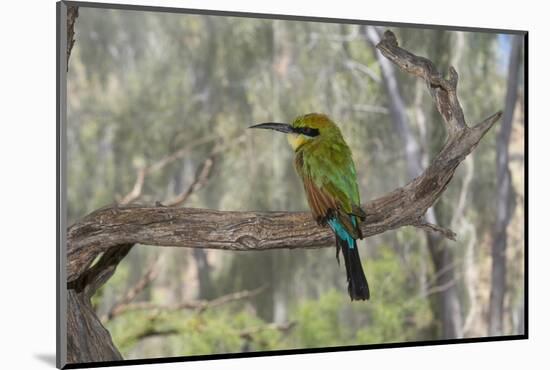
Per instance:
{"type": "Point", "coordinates": [324, 162]}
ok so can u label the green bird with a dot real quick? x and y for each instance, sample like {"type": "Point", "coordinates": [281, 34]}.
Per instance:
{"type": "Point", "coordinates": [324, 163]}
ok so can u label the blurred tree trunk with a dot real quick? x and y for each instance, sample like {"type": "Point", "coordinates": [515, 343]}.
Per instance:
{"type": "Point", "coordinates": [505, 195]}
{"type": "Point", "coordinates": [447, 299]}
{"type": "Point", "coordinates": [448, 303]}
{"type": "Point", "coordinates": [448, 308]}
{"type": "Point", "coordinates": [520, 329]}
{"type": "Point", "coordinates": [206, 290]}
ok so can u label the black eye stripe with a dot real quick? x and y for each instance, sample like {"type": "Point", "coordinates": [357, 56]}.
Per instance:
{"type": "Point", "coordinates": [308, 131]}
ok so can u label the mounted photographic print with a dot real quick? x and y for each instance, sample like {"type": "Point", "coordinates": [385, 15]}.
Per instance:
{"type": "Point", "coordinates": [236, 184]}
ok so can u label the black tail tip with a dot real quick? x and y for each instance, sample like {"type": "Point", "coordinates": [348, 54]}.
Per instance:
{"type": "Point", "coordinates": [359, 293]}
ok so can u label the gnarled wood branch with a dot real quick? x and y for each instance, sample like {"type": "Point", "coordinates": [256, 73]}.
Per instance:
{"type": "Point", "coordinates": [115, 227]}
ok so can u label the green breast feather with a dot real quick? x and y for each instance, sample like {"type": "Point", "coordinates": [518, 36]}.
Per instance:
{"type": "Point", "coordinates": [330, 166]}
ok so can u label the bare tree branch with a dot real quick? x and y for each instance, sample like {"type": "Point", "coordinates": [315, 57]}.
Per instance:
{"type": "Point", "coordinates": [120, 306]}
{"type": "Point", "coordinates": [353, 64]}
{"type": "Point", "coordinates": [203, 173]}
{"type": "Point", "coordinates": [447, 233]}
{"type": "Point", "coordinates": [443, 91]}
{"type": "Point", "coordinates": [136, 189]}
{"type": "Point", "coordinates": [246, 334]}
{"type": "Point", "coordinates": [200, 305]}
{"type": "Point", "coordinates": [142, 172]}
{"type": "Point", "coordinates": [201, 177]}
{"type": "Point", "coordinates": [245, 294]}
{"type": "Point", "coordinates": [441, 288]}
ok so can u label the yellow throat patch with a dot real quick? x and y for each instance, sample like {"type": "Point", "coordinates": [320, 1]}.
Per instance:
{"type": "Point", "coordinates": [296, 140]}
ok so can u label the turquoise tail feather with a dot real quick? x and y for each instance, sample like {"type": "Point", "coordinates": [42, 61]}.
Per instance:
{"type": "Point", "coordinates": [358, 287]}
{"type": "Point", "coordinates": [341, 232]}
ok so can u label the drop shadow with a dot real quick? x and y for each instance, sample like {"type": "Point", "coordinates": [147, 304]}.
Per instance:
{"type": "Point", "coordinates": [47, 358]}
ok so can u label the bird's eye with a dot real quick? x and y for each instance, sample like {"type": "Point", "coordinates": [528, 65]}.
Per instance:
{"type": "Point", "coordinates": [308, 131]}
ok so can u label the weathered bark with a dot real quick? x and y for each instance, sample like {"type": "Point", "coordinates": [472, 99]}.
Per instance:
{"type": "Point", "coordinates": [113, 230]}
{"type": "Point", "coordinates": [72, 14]}
{"type": "Point", "coordinates": [87, 338]}
{"type": "Point", "coordinates": [448, 304]}
{"type": "Point", "coordinates": [505, 194]}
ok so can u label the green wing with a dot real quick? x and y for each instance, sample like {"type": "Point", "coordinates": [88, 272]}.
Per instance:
{"type": "Point", "coordinates": [330, 179]}
{"type": "Point", "coordinates": [332, 168]}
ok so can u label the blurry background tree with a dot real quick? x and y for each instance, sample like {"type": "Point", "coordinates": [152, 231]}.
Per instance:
{"type": "Point", "coordinates": [158, 104]}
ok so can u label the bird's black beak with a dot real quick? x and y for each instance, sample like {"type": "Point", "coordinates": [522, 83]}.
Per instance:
{"type": "Point", "coordinates": [281, 127]}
